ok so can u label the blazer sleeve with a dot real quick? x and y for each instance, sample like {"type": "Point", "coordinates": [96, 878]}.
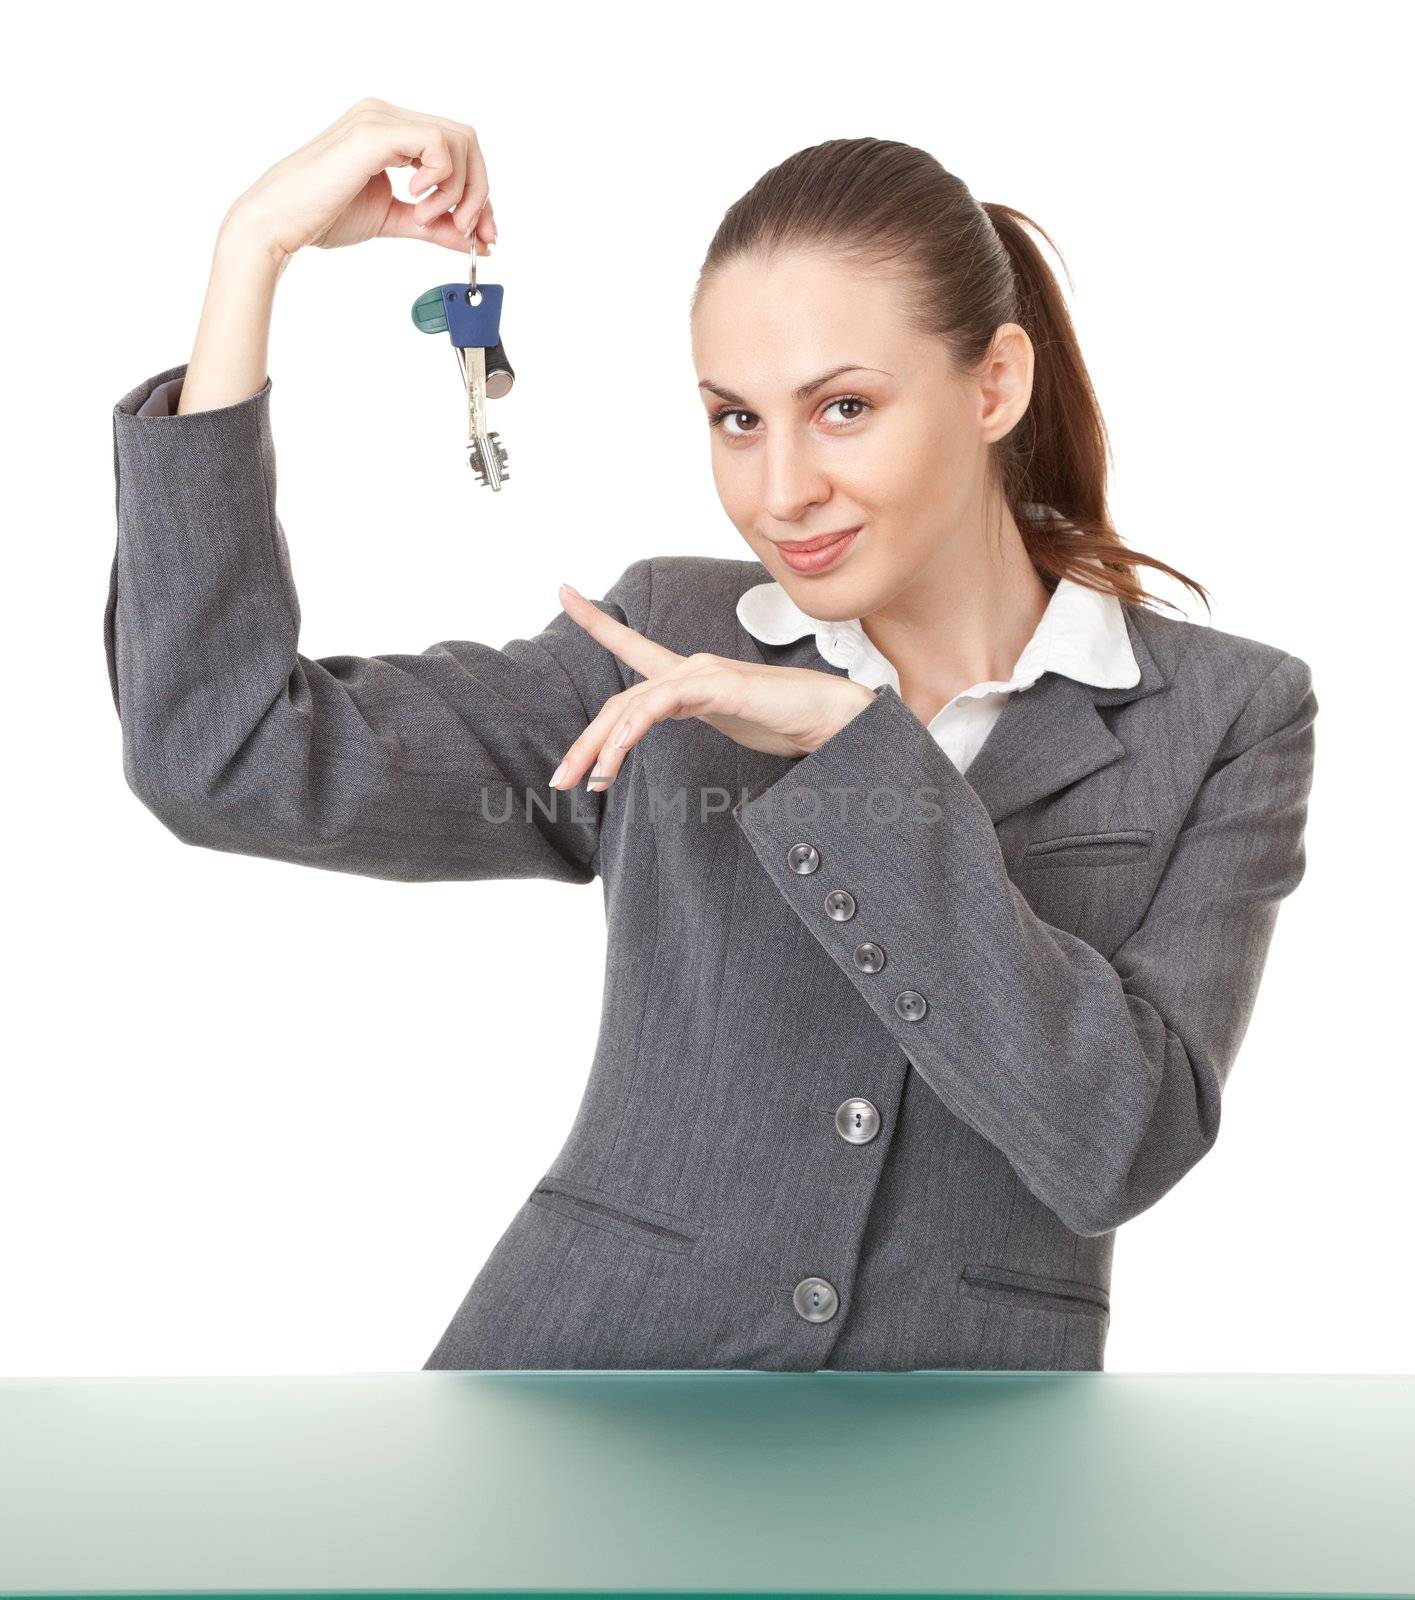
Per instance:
{"type": "Point", "coordinates": [414, 767]}
{"type": "Point", "coordinates": [1098, 1079]}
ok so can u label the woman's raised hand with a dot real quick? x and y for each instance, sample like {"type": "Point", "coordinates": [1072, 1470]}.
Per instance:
{"type": "Point", "coordinates": [335, 190]}
{"type": "Point", "coordinates": [783, 710]}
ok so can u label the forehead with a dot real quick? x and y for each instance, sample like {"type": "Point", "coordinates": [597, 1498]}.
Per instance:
{"type": "Point", "coordinates": [792, 311]}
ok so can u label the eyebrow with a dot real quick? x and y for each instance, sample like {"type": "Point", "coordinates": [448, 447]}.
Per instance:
{"type": "Point", "coordinates": [805, 391]}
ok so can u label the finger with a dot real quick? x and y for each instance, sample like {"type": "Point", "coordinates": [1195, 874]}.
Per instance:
{"type": "Point", "coordinates": [402, 141]}
{"type": "Point", "coordinates": [579, 758]}
{"type": "Point", "coordinates": [625, 718]}
{"type": "Point", "coordinates": [645, 656]}
{"type": "Point", "coordinates": [465, 190]}
{"type": "Point", "coordinates": [483, 224]}
{"type": "Point", "coordinates": [468, 218]}
{"type": "Point", "coordinates": [474, 198]}
{"type": "Point", "coordinates": [636, 717]}
{"type": "Point", "coordinates": [695, 688]}
{"type": "Point", "coordinates": [436, 147]}
{"type": "Point", "coordinates": [399, 224]}
{"type": "Point", "coordinates": [394, 144]}
{"type": "Point", "coordinates": [442, 200]}
{"type": "Point", "coordinates": [461, 180]}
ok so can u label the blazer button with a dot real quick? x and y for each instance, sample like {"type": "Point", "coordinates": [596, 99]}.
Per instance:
{"type": "Point", "coordinates": [840, 905]}
{"type": "Point", "coordinates": [803, 858]}
{"type": "Point", "coordinates": [869, 957]}
{"type": "Point", "coordinates": [910, 1004]}
{"type": "Point", "coordinates": [857, 1120]}
{"type": "Point", "coordinates": [815, 1300]}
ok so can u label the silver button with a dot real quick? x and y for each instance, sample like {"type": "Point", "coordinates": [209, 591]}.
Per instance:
{"type": "Point", "coordinates": [803, 858]}
{"type": "Point", "coordinates": [869, 957]}
{"type": "Point", "coordinates": [840, 905]}
{"type": "Point", "coordinates": [910, 1004]}
{"type": "Point", "coordinates": [857, 1120]}
{"type": "Point", "coordinates": [816, 1300]}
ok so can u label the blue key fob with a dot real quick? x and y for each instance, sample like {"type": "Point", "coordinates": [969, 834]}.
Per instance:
{"type": "Point", "coordinates": [430, 316]}
{"type": "Point", "coordinates": [479, 324]}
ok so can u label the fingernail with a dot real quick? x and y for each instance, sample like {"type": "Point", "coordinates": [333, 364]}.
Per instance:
{"type": "Point", "coordinates": [556, 776]}
{"type": "Point", "coordinates": [597, 780]}
{"type": "Point", "coordinates": [571, 587]}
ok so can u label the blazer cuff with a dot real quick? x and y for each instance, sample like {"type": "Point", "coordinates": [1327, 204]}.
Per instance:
{"type": "Point", "coordinates": [887, 854]}
{"type": "Point", "coordinates": [881, 812]}
{"type": "Point", "coordinates": [158, 396]}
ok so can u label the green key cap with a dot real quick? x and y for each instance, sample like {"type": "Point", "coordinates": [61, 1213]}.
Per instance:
{"type": "Point", "coordinates": [428, 315]}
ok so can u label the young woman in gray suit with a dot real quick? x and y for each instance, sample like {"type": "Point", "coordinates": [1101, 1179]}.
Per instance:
{"type": "Point", "coordinates": [940, 867]}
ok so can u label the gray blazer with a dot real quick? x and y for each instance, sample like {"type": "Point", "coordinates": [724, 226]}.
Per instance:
{"type": "Point", "coordinates": [887, 1054]}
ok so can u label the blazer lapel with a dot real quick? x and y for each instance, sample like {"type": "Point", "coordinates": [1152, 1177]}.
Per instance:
{"type": "Point", "coordinates": [1046, 737]}
{"type": "Point", "coordinates": [1052, 734]}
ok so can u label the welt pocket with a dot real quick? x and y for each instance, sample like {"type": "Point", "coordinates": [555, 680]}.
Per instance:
{"type": "Point", "coordinates": [1113, 847]}
{"type": "Point", "coordinates": [661, 1230]}
{"type": "Point", "coordinates": [1007, 1286]}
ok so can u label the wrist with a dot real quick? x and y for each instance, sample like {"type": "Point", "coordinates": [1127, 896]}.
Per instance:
{"type": "Point", "coordinates": [863, 697]}
{"type": "Point", "coordinates": [242, 244]}
{"type": "Point", "coordinates": [854, 698]}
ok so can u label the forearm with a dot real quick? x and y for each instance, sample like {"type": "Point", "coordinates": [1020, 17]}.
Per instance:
{"type": "Point", "coordinates": [1098, 1077]}
{"type": "Point", "coordinates": [229, 356]}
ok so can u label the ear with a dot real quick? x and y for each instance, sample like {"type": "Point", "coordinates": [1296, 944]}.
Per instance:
{"type": "Point", "coordinates": [1005, 381]}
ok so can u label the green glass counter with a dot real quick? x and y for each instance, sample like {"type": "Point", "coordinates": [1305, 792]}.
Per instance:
{"type": "Point", "coordinates": [719, 1482]}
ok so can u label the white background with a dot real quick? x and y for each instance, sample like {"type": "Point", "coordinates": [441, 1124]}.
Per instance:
{"type": "Point", "coordinates": [202, 1170]}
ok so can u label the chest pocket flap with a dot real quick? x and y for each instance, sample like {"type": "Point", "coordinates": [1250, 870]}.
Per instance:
{"type": "Point", "coordinates": [1110, 848]}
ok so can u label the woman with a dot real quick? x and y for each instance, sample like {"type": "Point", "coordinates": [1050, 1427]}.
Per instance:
{"type": "Point", "coordinates": [888, 1052]}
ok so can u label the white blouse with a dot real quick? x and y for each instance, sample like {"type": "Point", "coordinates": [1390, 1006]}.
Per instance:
{"type": "Point", "coordinates": [1081, 634]}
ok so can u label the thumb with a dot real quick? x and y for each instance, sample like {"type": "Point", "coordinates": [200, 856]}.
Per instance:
{"type": "Point", "coordinates": [399, 224]}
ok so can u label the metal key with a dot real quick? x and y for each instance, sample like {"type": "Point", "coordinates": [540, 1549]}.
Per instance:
{"type": "Point", "coordinates": [486, 455]}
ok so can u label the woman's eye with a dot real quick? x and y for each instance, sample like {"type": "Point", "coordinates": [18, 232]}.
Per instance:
{"type": "Point", "coordinates": [850, 400]}
{"type": "Point", "coordinates": [719, 418]}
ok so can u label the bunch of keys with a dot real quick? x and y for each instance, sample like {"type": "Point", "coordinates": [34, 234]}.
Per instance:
{"type": "Point", "coordinates": [470, 315]}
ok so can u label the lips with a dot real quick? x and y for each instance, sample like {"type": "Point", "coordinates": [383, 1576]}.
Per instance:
{"type": "Point", "coordinates": [802, 547]}
{"type": "Point", "coordinates": [822, 554]}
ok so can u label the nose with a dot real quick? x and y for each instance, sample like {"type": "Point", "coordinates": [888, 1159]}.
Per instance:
{"type": "Point", "coordinates": [793, 480]}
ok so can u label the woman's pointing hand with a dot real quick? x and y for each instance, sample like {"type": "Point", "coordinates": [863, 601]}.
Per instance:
{"type": "Point", "coordinates": [781, 710]}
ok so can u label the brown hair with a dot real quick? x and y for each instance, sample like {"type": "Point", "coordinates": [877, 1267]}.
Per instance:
{"type": "Point", "coordinates": [967, 268]}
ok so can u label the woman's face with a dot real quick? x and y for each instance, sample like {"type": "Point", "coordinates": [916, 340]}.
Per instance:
{"type": "Point", "coordinates": [895, 444]}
